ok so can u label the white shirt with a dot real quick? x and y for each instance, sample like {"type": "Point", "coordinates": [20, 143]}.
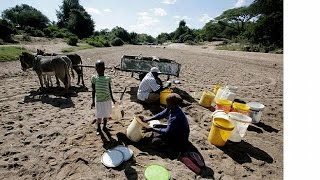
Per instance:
{"type": "Point", "coordinates": [147, 85]}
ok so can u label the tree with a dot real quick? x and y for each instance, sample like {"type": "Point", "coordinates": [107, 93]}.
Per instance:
{"type": "Point", "coordinates": [74, 17]}
{"type": "Point", "coordinates": [6, 29]}
{"type": "Point", "coordinates": [80, 23]}
{"type": "Point", "coordinates": [25, 15]}
{"type": "Point", "coordinates": [120, 33]}
{"type": "Point", "coordinates": [236, 16]}
{"type": "Point", "coordinates": [163, 37]}
{"type": "Point", "coordinates": [268, 29]}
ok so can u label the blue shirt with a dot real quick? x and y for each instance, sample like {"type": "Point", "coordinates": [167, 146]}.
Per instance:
{"type": "Point", "coordinates": [178, 126]}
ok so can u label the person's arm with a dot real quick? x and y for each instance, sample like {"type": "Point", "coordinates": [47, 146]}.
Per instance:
{"type": "Point", "coordinates": [93, 94]}
{"type": "Point", "coordinates": [160, 115]}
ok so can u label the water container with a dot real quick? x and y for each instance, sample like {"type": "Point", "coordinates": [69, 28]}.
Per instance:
{"type": "Point", "coordinates": [255, 111]}
{"type": "Point", "coordinates": [241, 108]}
{"type": "Point", "coordinates": [206, 98]}
{"type": "Point", "coordinates": [219, 114]}
{"type": "Point", "coordinates": [220, 131]}
{"type": "Point", "coordinates": [163, 96]}
{"type": "Point", "coordinates": [134, 130]}
{"type": "Point", "coordinates": [116, 112]}
{"type": "Point", "coordinates": [216, 87]}
{"type": "Point", "coordinates": [223, 104]}
{"type": "Point", "coordinates": [241, 123]}
{"type": "Point", "coordinates": [220, 92]}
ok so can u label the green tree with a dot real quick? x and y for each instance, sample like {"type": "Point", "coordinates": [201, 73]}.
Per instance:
{"type": "Point", "coordinates": [25, 15]}
{"type": "Point", "coordinates": [236, 18]}
{"type": "Point", "coordinates": [74, 17]}
{"type": "Point", "coordinates": [6, 30]}
{"type": "Point", "coordinates": [163, 37]}
{"type": "Point", "coordinates": [133, 38]}
{"type": "Point", "coordinates": [120, 33]}
{"type": "Point", "coordinates": [268, 29]}
{"type": "Point", "coordinates": [80, 23]}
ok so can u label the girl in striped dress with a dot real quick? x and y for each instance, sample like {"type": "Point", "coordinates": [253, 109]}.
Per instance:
{"type": "Point", "coordinates": [101, 95]}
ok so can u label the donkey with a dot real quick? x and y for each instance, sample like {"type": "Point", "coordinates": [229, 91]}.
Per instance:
{"type": "Point", "coordinates": [45, 64]}
{"type": "Point", "coordinates": [76, 60]}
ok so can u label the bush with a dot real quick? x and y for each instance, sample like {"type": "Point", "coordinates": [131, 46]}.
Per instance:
{"type": "Point", "coordinates": [189, 42]}
{"type": "Point", "coordinates": [26, 38]}
{"type": "Point", "coordinates": [117, 42]}
{"type": "Point", "coordinates": [98, 41]}
{"type": "Point", "coordinates": [72, 40]}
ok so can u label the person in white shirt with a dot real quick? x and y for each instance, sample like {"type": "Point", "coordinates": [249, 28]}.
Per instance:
{"type": "Point", "coordinates": [150, 87]}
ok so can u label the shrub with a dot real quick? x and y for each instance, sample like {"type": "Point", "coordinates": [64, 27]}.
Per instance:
{"type": "Point", "coordinates": [72, 40]}
{"type": "Point", "coordinates": [26, 38]}
{"type": "Point", "coordinates": [117, 42]}
{"type": "Point", "coordinates": [189, 42]}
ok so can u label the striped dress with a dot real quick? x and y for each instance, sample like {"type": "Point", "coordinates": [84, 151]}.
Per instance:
{"type": "Point", "coordinates": [102, 87]}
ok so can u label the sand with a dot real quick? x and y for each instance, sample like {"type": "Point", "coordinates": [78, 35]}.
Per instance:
{"type": "Point", "coordinates": [47, 136]}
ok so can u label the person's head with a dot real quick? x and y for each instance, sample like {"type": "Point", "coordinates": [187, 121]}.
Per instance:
{"type": "Point", "coordinates": [155, 71]}
{"type": "Point", "coordinates": [173, 100]}
{"type": "Point", "coordinates": [100, 67]}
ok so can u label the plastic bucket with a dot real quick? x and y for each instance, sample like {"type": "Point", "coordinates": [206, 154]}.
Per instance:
{"type": "Point", "coordinates": [255, 111]}
{"type": "Point", "coordinates": [134, 130]}
{"type": "Point", "coordinates": [220, 131]}
{"type": "Point", "coordinates": [219, 114]}
{"type": "Point", "coordinates": [116, 111]}
{"type": "Point", "coordinates": [241, 108]}
{"type": "Point", "coordinates": [216, 87]}
{"type": "Point", "coordinates": [241, 123]}
{"type": "Point", "coordinates": [163, 96]}
{"type": "Point", "coordinates": [224, 104]}
{"type": "Point", "coordinates": [206, 98]}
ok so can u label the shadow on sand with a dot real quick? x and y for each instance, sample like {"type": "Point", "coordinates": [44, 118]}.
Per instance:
{"type": "Point", "coordinates": [258, 127]}
{"type": "Point", "coordinates": [55, 96]}
{"type": "Point", "coordinates": [242, 152]}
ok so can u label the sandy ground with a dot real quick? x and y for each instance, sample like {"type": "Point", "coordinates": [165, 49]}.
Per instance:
{"type": "Point", "coordinates": [46, 136]}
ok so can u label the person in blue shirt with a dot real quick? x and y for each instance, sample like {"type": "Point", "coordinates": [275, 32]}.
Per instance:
{"type": "Point", "coordinates": [176, 134]}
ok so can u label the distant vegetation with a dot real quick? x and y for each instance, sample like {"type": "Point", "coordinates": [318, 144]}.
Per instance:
{"type": "Point", "coordinates": [258, 27]}
{"type": "Point", "coordinates": [10, 53]}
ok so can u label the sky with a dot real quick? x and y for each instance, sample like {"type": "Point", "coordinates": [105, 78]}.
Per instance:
{"type": "Point", "coordinates": [142, 16]}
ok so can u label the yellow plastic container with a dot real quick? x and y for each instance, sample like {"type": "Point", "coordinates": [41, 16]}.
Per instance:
{"type": "Point", "coordinates": [216, 87]}
{"type": "Point", "coordinates": [206, 98]}
{"type": "Point", "coordinates": [220, 131]}
{"type": "Point", "coordinates": [134, 130]}
{"type": "Point", "coordinates": [224, 104]}
{"type": "Point", "coordinates": [241, 108]}
{"type": "Point", "coordinates": [163, 96]}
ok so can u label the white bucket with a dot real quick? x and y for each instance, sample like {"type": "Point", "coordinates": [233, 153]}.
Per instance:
{"type": "Point", "coordinates": [134, 130]}
{"type": "Point", "coordinates": [219, 114]}
{"type": "Point", "coordinates": [255, 111]}
{"type": "Point", "coordinates": [241, 123]}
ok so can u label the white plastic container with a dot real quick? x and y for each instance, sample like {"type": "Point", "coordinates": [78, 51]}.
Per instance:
{"type": "Point", "coordinates": [219, 114]}
{"type": "Point", "coordinates": [116, 111]}
{"type": "Point", "coordinates": [134, 130]}
{"type": "Point", "coordinates": [241, 123]}
{"type": "Point", "coordinates": [228, 92]}
{"type": "Point", "coordinates": [255, 111]}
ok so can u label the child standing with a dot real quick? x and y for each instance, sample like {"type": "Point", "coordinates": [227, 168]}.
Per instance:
{"type": "Point", "coordinates": [101, 95]}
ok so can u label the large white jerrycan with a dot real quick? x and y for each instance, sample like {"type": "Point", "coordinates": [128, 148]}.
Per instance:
{"type": "Point", "coordinates": [116, 111]}
{"type": "Point", "coordinates": [134, 130]}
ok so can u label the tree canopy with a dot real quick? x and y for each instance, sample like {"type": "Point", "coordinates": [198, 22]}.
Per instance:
{"type": "Point", "coordinates": [25, 15]}
{"type": "Point", "coordinates": [74, 17]}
